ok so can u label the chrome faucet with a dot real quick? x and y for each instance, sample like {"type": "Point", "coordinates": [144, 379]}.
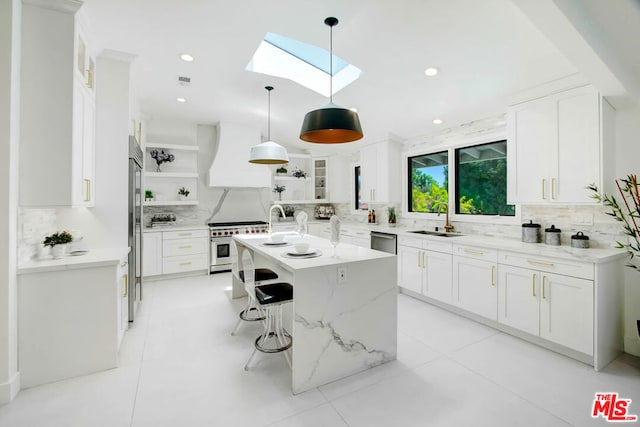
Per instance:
{"type": "Point", "coordinates": [270, 215]}
{"type": "Point", "coordinates": [447, 226]}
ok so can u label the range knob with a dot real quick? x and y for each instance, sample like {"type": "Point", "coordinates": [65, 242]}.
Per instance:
{"type": "Point", "coordinates": [226, 232]}
{"type": "Point", "coordinates": [237, 231]}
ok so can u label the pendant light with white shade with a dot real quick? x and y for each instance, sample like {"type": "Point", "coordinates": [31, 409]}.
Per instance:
{"type": "Point", "coordinates": [268, 153]}
{"type": "Point", "coordinates": [331, 124]}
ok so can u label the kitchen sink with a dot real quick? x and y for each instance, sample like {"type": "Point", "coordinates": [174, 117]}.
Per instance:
{"type": "Point", "coordinates": [435, 233]}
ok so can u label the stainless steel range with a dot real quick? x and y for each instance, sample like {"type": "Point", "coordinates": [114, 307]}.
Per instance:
{"type": "Point", "coordinates": [220, 234]}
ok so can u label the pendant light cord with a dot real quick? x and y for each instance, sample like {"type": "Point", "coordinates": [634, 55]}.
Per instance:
{"type": "Point", "coordinates": [331, 64]}
{"type": "Point", "coordinates": [269, 89]}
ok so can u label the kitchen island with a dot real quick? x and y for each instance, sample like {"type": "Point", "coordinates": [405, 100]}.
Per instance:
{"type": "Point", "coordinates": [344, 307]}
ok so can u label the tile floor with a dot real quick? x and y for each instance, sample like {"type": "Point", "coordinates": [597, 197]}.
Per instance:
{"type": "Point", "coordinates": [180, 367]}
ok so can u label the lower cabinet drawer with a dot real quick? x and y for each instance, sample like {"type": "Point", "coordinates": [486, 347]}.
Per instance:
{"type": "Point", "coordinates": [177, 264]}
{"type": "Point", "coordinates": [582, 270]}
{"type": "Point", "coordinates": [185, 247]}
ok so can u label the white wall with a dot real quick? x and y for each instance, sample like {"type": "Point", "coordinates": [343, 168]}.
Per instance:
{"type": "Point", "coordinates": [10, 17]}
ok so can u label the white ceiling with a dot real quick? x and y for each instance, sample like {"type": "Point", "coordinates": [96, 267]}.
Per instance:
{"type": "Point", "coordinates": [485, 49]}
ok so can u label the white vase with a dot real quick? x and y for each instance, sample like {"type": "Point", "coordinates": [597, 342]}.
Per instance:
{"type": "Point", "coordinates": [58, 251]}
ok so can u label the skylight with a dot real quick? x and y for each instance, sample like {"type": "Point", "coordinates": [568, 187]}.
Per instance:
{"type": "Point", "coordinates": [303, 63]}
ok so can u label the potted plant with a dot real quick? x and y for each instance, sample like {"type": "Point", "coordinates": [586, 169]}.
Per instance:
{"type": "Point", "coordinates": [281, 171]}
{"type": "Point", "coordinates": [183, 193]}
{"type": "Point", "coordinates": [148, 195]}
{"type": "Point", "coordinates": [298, 173]}
{"type": "Point", "coordinates": [392, 215]}
{"type": "Point", "coordinates": [628, 214]}
{"type": "Point", "coordinates": [161, 157]}
{"type": "Point", "coordinates": [58, 243]}
{"type": "Point", "coordinates": [279, 189]}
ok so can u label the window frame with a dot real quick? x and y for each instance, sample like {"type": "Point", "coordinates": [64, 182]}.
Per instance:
{"type": "Point", "coordinates": [463, 143]}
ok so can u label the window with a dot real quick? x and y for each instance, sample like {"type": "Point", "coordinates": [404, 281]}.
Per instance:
{"type": "Point", "coordinates": [429, 182]}
{"type": "Point", "coordinates": [302, 63]}
{"type": "Point", "coordinates": [481, 180]}
{"type": "Point", "coordinates": [359, 204]}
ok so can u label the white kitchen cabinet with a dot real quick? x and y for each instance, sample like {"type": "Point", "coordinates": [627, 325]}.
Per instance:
{"type": "Point", "coordinates": [178, 251]}
{"type": "Point", "coordinates": [185, 251]}
{"type": "Point", "coordinates": [320, 178]}
{"type": "Point", "coordinates": [151, 253]}
{"type": "Point", "coordinates": [355, 236]}
{"type": "Point", "coordinates": [380, 172]}
{"type": "Point", "coordinates": [57, 110]}
{"type": "Point", "coordinates": [71, 319]}
{"type": "Point", "coordinates": [182, 172]}
{"type": "Point", "coordinates": [475, 287]}
{"type": "Point", "coordinates": [555, 307]}
{"type": "Point", "coordinates": [322, 229]}
{"type": "Point", "coordinates": [428, 272]}
{"type": "Point", "coordinates": [556, 147]}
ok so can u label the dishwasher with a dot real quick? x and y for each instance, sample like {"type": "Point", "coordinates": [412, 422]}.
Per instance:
{"type": "Point", "coordinates": [385, 242]}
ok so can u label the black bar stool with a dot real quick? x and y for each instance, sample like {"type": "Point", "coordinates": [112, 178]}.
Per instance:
{"type": "Point", "coordinates": [251, 312]}
{"type": "Point", "coordinates": [270, 298]}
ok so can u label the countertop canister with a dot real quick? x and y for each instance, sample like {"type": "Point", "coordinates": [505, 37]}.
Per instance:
{"type": "Point", "coordinates": [552, 236]}
{"type": "Point", "coordinates": [579, 240]}
{"type": "Point", "coordinates": [531, 232]}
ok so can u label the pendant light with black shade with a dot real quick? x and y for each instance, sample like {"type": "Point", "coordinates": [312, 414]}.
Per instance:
{"type": "Point", "coordinates": [268, 153]}
{"type": "Point", "coordinates": [331, 124]}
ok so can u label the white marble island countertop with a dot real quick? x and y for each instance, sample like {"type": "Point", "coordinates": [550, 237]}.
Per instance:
{"type": "Point", "coordinates": [345, 252]}
{"type": "Point", "coordinates": [340, 326]}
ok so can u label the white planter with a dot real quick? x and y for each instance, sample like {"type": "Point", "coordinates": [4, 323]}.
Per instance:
{"type": "Point", "coordinates": [58, 251]}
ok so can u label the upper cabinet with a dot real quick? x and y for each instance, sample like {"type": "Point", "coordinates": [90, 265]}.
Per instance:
{"type": "Point", "coordinates": [380, 166]}
{"type": "Point", "coordinates": [57, 108]}
{"type": "Point", "coordinates": [308, 179]}
{"type": "Point", "coordinates": [557, 145]}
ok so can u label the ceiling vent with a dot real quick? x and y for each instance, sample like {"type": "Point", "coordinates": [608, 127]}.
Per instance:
{"type": "Point", "coordinates": [184, 81]}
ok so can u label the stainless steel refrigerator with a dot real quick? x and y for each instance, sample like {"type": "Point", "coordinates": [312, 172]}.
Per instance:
{"type": "Point", "coordinates": [135, 227]}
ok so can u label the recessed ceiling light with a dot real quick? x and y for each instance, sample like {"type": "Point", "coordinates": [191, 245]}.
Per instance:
{"type": "Point", "coordinates": [437, 121]}
{"type": "Point", "coordinates": [186, 57]}
{"type": "Point", "coordinates": [431, 71]}
{"type": "Point", "coordinates": [181, 99]}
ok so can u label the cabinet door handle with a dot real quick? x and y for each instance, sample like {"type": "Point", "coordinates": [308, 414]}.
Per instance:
{"type": "Point", "coordinates": [87, 190]}
{"type": "Point", "coordinates": [553, 188]}
{"type": "Point", "coordinates": [90, 79]}
{"type": "Point", "coordinates": [543, 183]}
{"type": "Point", "coordinates": [185, 247]}
{"type": "Point", "coordinates": [533, 285]}
{"type": "Point", "coordinates": [543, 283]}
{"type": "Point", "coordinates": [493, 272]}
{"type": "Point", "coordinates": [546, 264]}
{"type": "Point", "coordinates": [126, 286]}
{"type": "Point", "coordinates": [185, 263]}
{"type": "Point", "coordinates": [472, 252]}
{"type": "Point", "coordinates": [185, 234]}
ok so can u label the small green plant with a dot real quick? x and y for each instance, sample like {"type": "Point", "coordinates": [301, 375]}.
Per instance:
{"type": "Point", "coordinates": [298, 173]}
{"type": "Point", "coordinates": [392, 214]}
{"type": "Point", "coordinates": [148, 194]}
{"type": "Point", "coordinates": [183, 192]}
{"type": "Point", "coordinates": [281, 170]}
{"type": "Point", "coordinates": [279, 189]}
{"type": "Point", "coordinates": [59, 238]}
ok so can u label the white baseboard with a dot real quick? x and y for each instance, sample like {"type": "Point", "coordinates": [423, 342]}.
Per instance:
{"type": "Point", "coordinates": [10, 389]}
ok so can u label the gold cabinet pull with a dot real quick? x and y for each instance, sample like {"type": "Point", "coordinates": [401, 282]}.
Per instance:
{"type": "Point", "coordinates": [185, 263]}
{"type": "Point", "coordinates": [90, 79]}
{"type": "Point", "coordinates": [493, 271]}
{"type": "Point", "coordinates": [126, 286]}
{"type": "Point", "coordinates": [546, 264]}
{"type": "Point", "coordinates": [544, 181]}
{"type": "Point", "coordinates": [543, 283]}
{"type": "Point", "coordinates": [87, 190]}
{"type": "Point", "coordinates": [553, 188]}
{"type": "Point", "coordinates": [185, 247]}
{"type": "Point", "coordinates": [472, 252]}
{"type": "Point", "coordinates": [185, 234]}
{"type": "Point", "coordinates": [533, 285]}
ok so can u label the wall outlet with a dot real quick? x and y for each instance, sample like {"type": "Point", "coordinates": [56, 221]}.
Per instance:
{"type": "Point", "coordinates": [342, 275]}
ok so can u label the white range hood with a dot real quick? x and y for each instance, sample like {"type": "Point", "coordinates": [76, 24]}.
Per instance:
{"type": "Point", "coordinates": [230, 167]}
